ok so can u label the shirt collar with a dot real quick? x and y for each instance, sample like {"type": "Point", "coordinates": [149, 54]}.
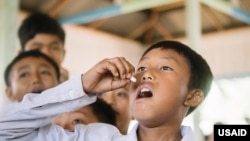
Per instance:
{"type": "Point", "coordinates": [186, 133]}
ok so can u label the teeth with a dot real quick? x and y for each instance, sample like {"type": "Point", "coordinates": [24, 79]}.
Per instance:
{"type": "Point", "coordinates": [145, 93]}
{"type": "Point", "coordinates": [141, 95]}
{"type": "Point", "coordinates": [145, 90]}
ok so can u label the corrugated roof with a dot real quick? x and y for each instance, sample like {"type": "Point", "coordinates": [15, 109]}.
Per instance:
{"type": "Point", "coordinates": [143, 20]}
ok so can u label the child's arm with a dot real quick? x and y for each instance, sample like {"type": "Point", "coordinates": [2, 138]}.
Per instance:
{"type": "Point", "coordinates": [38, 110]}
{"type": "Point", "coordinates": [31, 119]}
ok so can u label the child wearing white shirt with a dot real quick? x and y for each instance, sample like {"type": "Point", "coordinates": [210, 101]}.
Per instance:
{"type": "Point", "coordinates": [172, 80]}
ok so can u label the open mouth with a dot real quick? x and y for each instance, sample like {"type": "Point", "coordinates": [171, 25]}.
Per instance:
{"type": "Point", "coordinates": [144, 93]}
{"type": "Point", "coordinates": [38, 91]}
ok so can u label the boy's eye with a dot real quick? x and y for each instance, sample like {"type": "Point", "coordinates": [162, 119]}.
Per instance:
{"type": "Point", "coordinates": [45, 73]}
{"type": "Point", "coordinates": [36, 47]}
{"type": "Point", "coordinates": [166, 68]}
{"type": "Point", "coordinates": [24, 75]}
{"type": "Point", "coordinates": [55, 47]}
{"type": "Point", "coordinates": [76, 121]}
{"type": "Point", "coordinates": [141, 69]}
{"type": "Point", "coordinates": [120, 94]}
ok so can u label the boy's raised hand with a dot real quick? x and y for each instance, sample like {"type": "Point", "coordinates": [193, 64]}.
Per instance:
{"type": "Point", "coordinates": [107, 75]}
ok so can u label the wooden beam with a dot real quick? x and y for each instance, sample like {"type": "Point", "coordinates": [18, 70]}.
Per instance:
{"type": "Point", "coordinates": [214, 20]}
{"type": "Point", "coordinates": [228, 8]}
{"type": "Point", "coordinates": [170, 6]}
{"type": "Point", "coordinates": [109, 11]}
{"type": "Point", "coordinates": [153, 19]}
{"type": "Point", "coordinates": [139, 30]}
{"type": "Point", "coordinates": [163, 31]}
{"type": "Point", "coordinates": [97, 24]}
{"type": "Point", "coordinates": [58, 7]}
{"type": "Point", "coordinates": [243, 4]}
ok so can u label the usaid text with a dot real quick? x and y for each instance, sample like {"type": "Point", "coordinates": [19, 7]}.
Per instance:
{"type": "Point", "coordinates": [236, 132]}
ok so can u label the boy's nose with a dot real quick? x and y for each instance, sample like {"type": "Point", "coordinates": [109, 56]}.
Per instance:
{"type": "Point", "coordinates": [36, 79]}
{"type": "Point", "coordinates": [147, 76]}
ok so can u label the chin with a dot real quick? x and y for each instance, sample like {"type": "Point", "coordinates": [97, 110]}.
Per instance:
{"type": "Point", "coordinates": [148, 123]}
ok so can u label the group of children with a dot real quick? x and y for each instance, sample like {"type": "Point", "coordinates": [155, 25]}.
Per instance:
{"type": "Point", "coordinates": [41, 33]}
{"type": "Point", "coordinates": [171, 81]}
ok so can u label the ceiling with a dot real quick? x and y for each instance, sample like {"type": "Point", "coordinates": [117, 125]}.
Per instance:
{"type": "Point", "coordinates": [145, 21]}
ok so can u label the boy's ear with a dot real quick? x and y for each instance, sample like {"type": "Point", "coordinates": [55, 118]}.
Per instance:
{"type": "Point", "coordinates": [9, 94]}
{"type": "Point", "coordinates": [194, 98]}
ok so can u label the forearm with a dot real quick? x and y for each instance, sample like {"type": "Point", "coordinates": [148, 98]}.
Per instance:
{"type": "Point", "coordinates": [36, 111]}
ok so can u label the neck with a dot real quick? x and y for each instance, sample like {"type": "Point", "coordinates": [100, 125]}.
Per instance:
{"type": "Point", "coordinates": [159, 134]}
{"type": "Point", "coordinates": [123, 127]}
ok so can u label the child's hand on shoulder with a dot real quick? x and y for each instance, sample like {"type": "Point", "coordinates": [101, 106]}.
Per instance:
{"type": "Point", "coordinates": [108, 74]}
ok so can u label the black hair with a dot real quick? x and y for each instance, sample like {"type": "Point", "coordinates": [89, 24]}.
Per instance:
{"type": "Point", "coordinates": [104, 112]}
{"type": "Point", "coordinates": [201, 76]}
{"type": "Point", "coordinates": [39, 23]}
{"type": "Point", "coordinates": [26, 54]}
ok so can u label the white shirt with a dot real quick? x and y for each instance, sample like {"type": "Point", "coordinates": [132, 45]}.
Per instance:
{"type": "Point", "coordinates": [186, 132]}
{"type": "Point", "coordinates": [30, 120]}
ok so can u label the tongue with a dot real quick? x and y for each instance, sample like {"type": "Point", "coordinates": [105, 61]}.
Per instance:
{"type": "Point", "coordinates": [145, 94]}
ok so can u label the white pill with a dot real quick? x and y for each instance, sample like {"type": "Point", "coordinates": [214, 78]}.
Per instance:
{"type": "Point", "coordinates": [133, 79]}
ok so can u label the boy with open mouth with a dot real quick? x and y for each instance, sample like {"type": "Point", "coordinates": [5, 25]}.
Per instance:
{"type": "Point", "coordinates": [171, 81]}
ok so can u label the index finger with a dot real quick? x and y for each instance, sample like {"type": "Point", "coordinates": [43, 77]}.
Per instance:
{"type": "Point", "coordinates": [124, 67]}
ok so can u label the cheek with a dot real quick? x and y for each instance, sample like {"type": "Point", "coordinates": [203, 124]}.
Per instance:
{"type": "Point", "coordinates": [168, 92]}
{"type": "Point", "coordinates": [18, 93]}
{"type": "Point", "coordinates": [132, 92]}
{"type": "Point", "coordinates": [55, 80]}
{"type": "Point", "coordinates": [58, 57]}
{"type": "Point", "coordinates": [173, 85]}
{"type": "Point", "coordinates": [50, 83]}
{"type": "Point", "coordinates": [70, 125]}
{"type": "Point", "coordinates": [18, 88]}
{"type": "Point", "coordinates": [123, 106]}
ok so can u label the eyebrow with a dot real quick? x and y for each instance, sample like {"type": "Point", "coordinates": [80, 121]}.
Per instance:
{"type": "Point", "coordinates": [170, 58]}
{"type": "Point", "coordinates": [165, 58]}
{"type": "Point", "coordinates": [81, 111]}
{"type": "Point", "coordinates": [41, 43]}
{"type": "Point", "coordinates": [54, 42]}
{"type": "Point", "coordinates": [36, 43]}
{"type": "Point", "coordinates": [23, 67]}
{"type": "Point", "coordinates": [173, 59]}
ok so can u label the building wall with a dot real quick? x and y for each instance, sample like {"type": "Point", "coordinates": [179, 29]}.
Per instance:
{"type": "Point", "coordinates": [228, 52]}
{"type": "Point", "coordinates": [85, 47]}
